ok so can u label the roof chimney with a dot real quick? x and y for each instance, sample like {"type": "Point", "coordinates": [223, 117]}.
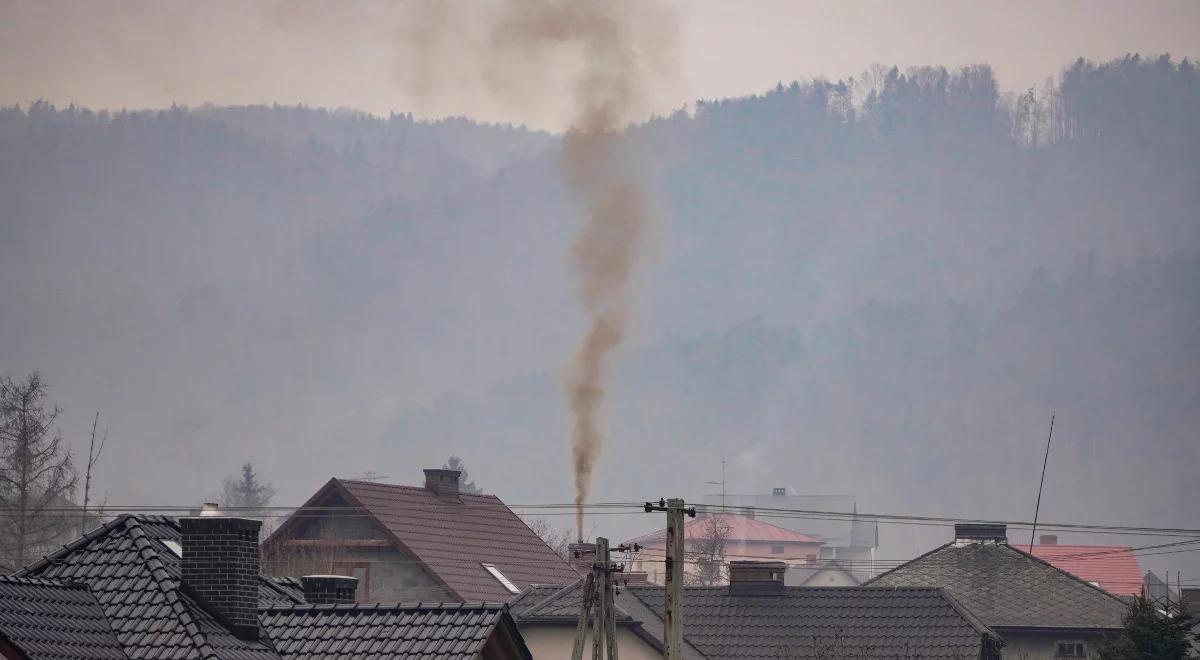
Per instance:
{"type": "Point", "coordinates": [329, 589]}
{"type": "Point", "coordinates": [220, 567]}
{"type": "Point", "coordinates": [757, 578]}
{"type": "Point", "coordinates": [1048, 539]}
{"type": "Point", "coordinates": [583, 555]}
{"type": "Point", "coordinates": [778, 491]}
{"type": "Point", "coordinates": [442, 482]}
{"type": "Point", "coordinates": [980, 533]}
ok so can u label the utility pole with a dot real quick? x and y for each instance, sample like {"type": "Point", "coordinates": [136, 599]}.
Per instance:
{"type": "Point", "coordinates": [673, 621]}
{"type": "Point", "coordinates": [598, 607]}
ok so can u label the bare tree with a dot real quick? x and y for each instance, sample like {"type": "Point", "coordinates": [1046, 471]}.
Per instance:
{"type": "Point", "coordinates": [37, 477]}
{"type": "Point", "coordinates": [93, 456]}
{"type": "Point", "coordinates": [707, 550]}
{"type": "Point", "coordinates": [558, 538]}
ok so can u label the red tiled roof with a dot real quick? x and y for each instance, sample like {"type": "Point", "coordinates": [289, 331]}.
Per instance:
{"type": "Point", "coordinates": [453, 537]}
{"type": "Point", "coordinates": [1114, 568]}
{"type": "Point", "coordinates": [741, 528]}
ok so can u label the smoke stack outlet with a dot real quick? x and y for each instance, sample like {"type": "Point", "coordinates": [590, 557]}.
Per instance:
{"type": "Point", "coordinates": [1048, 539]}
{"type": "Point", "coordinates": [757, 578]}
{"type": "Point", "coordinates": [220, 567]}
{"type": "Point", "coordinates": [442, 482]}
{"type": "Point", "coordinates": [329, 589]}
{"type": "Point", "coordinates": [980, 533]}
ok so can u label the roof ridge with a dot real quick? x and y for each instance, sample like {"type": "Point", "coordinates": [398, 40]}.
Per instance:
{"type": "Point", "coordinates": [558, 593]}
{"type": "Point", "coordinates": [893, 569]}
{"type": "Point", "coordinates": [384, 607]}
{"type": "Point", "coordinates": [966, 613]}
{"type": "Point", "coordinates": [170, 590]}
{"type": "Point", "coordinates": [71, 547]}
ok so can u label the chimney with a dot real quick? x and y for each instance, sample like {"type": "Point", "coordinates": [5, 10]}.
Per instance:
{"type": "Point", "coordinates": [1048, 539]}
{"type": "Point", "coordinates": [220, 566]}
{"type": "Point", "coordinates": [980, 533]}
{"type": "Point", "coordinates": [757, 578]}
{"type": "Point", "coordinates": [442, 482]}
{"type": "Point", "coordinates": [583, 555]}
{"type": "Point", "coordinates": [778, 492]}
{"type": "Point", "coordinates": [329, 589]}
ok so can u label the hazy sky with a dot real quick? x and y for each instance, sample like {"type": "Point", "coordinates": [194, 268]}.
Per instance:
{"type": "Point", "coordinates": [152, 54]}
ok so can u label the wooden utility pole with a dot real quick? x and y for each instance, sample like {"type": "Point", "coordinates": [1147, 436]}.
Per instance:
{"type": "Point", "coordinates": [598, 621]}
{"type": "Point", "coordinates": [584, 613]}
{"type": "Point", "coordinates": [673, 621]}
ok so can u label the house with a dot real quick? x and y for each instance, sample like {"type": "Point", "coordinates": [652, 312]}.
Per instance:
{"type": "Point", "coordinates": [713, 539]}
{"type": "Point", "coordinates": [548, 616]}
{"type": "Point", "coordinates": [155, 587]}
{"type": "Point", "coordinates": [821, 573]}
{"type": "Point", "coordinates": [757, 616]}
{"type": "Point", "coordinates": [1114, 569]}
{"type": "Point", "coordinates": [1040, 610]}
{"type": "Point", "coordinates": [415, 543]}
{"type": "Point", "coordinates": [845, 535]}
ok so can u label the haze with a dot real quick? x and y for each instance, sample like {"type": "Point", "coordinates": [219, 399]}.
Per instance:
{"type": "Point", "coordinates": [881, 286]}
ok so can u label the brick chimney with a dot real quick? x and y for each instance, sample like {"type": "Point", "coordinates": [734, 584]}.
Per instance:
{"type": "Point", "coordinates": [1048, 539]}
{"type": "Point", "coordinates": [220, 566]}
{"type": "Point", "coordinates": [757, 578]}
{"type": "Point", "coordinates": [329, 589]}
{"type": "Point", "coordinates": [582, 556]}
{"type": "Point", "coordinates": [980, 533]}
{"type": "Point", "coordinates": [442, 482]}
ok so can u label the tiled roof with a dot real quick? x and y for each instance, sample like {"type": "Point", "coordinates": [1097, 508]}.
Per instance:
{"type": "Point", "coordinates": [454, 535]}
{"type": "Point", "coordinates": [837, 622]}
{"type": "Point", "coordinates": [49, 620]}
{"type": "Point", "coordinates": [453, 631]}
{"type": "Point", "coordinates": [741, 528]}
{"type": "Point", "coordinates": [554, 604]}
{"type": "Point", "coordinates": [134, 577]}
{"type": "Point", "coordinates": [1114, 568]}
{"type": "Point", "coordinates": [1006, 587]}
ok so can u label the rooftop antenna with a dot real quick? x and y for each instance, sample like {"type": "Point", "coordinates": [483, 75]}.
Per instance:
{"type": "Point", "coordinates": [1038, 506]}
{"type": "Point", "coordinates": [721, 483]}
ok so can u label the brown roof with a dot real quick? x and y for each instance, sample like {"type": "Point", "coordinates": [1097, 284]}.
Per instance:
{"type": "Point", "coordinates": [453, 536]}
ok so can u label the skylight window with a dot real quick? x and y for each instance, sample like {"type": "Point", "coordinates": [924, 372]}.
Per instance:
{"type": "Point", "coordinates": [491, 568]}
{"type": "Point", "coordinates": [174, 546]}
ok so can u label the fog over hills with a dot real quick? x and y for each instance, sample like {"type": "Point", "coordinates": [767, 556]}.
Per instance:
{"type": "Point", "coordinates": [881, 288]}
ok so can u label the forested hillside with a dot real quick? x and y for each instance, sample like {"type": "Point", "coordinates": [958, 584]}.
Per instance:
{"type": "Point", "coordinates": [879, 286]}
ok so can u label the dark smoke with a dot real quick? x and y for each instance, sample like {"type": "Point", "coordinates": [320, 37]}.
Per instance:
{"type": "Point", "coordinates": [605, 57]}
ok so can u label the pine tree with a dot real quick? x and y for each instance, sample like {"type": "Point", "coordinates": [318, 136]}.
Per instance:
{"type": "Point", "coordinates": [247, 492]}
{"type": "Point", "coordinates": [1153, 631]}
{"type": "Point", "coordinates": [37, 477]}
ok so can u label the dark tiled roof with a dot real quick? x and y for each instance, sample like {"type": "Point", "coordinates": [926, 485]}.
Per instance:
{"type": "Point", "coordinates": [454, 631]}
{"type": "Point", "coordinates": [134, 577]}
{"type": "Point", "coordinates": [811, 622]}
{"type": "Point", "coordinates": [454, 536]}
{"type": "Point", "coordinates": [1006, 587]}
{"type": "Point", "coordinates": [49, 620]}
{"type": "Point", "coordinates": [275, 590]}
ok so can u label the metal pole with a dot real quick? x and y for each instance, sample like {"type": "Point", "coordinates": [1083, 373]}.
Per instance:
{"type": "Point", "coordinates": [584, 611]}
{"type": "Point", "coordinates": [1038, 507]}
{"type": "Point", "coordinates": [674, 606]}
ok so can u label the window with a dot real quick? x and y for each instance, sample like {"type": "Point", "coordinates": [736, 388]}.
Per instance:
{"type": "Point", "coordinates": [1071, 649]}
{"type": "Point", "coordinates": [174, 546]}
{"type": "Point", "coordinates": [777, 549]}
{"type": "Point", "coordinates": [491, 568]}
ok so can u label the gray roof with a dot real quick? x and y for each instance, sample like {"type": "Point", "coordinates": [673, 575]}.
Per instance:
{"type": "Point", "coordinates": [134, 577]}
{"type": "Point", "coordinates": [444, 631]}
{"type": "Point", "coordinates": [1009, 588]}
{"type": "Point", "coordinates": [48, 620]}
{"type": "Point", "coordinates": [848, 530]}
{"type": "Point", "coordinates": [812, 622]}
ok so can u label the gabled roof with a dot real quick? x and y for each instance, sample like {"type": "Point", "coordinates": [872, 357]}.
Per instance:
{"type": "Point", "coordinates": [1009, 588]}
{"type": "Point", "coordinates": [453, 536]}
{"type": "Point", "coordinates": [134, 578]}
{"type": "Point", "coordinates": [49, 620]}
{"type": "Point", "coordinates": [837, 622]}
{"type": "Point", "coordinates": [1114, 568]}
{"type": "Point", "coordinates": [741, 528]}
{"type": "Point", "coordinates": [443, 631]}
{"type": "Point", "coordinates": [801, 574]}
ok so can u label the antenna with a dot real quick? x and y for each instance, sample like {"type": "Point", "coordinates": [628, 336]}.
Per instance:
{"type": "Point", "coordinates": [1038, 506]}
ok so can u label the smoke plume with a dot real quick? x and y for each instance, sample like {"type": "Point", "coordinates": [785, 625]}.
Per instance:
{"type": "Point", "coordinates": [597, 62]}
